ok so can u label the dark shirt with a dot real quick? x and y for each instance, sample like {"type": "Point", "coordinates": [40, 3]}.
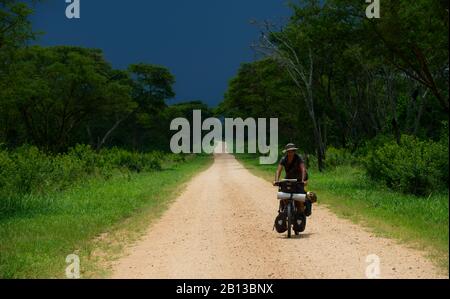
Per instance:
{"type": "Point", "coordinates": [292, 169]}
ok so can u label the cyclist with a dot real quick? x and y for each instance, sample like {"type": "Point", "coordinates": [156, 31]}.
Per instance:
{"type": "Point", "coordinates": [294, 167]}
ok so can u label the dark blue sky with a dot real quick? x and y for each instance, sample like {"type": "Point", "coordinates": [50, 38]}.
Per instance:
{"type": "Point", "coordinates": [202, 42]}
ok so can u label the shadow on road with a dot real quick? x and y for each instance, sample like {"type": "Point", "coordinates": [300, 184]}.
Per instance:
{"type": "Point", "coordinates": [299, 237]}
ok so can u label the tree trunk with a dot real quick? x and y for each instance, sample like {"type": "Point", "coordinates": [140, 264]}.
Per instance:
{"type": "Point", "coordinates": [89, 132]}
{"type": "Point", "coordinates": [108, 134]}
{"type": "Point", "coordinates": [420, 113]}
{"type": "Point", "coordinates": [390, 88]}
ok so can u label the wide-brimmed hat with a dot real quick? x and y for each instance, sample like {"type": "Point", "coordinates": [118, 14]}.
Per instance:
{"type": "Point", "coordinates": [290, 147]}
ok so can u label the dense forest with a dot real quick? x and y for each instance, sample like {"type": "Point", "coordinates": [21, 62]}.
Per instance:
{"type": "Point", "coordinates": [347, 87]}
{"type": "Point", "coordinates": [57, 97]}
{"type": "Point", "coordinates": [66, 115]}
{"type": "Point", "coordinates": [344, 87]}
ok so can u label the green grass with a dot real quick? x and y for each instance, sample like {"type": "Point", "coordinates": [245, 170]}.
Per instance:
{"type": "Point", "coordinates": [35, 244]}
{"type": "Point", "coordinates": [419, 222]}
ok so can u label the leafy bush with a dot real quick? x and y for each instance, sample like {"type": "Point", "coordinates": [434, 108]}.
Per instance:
{"type": "Point", "coordinates": [7, 175]}
{"type": "Point", "coordinates": [415, 166]}
{"type": "Point", "coordinates": [334, 157]}
{"type": "Point", "coordinates": [370, 145]}
{"type": "Point", "coordinates": [29, 171]}
{"type": "Point", "coordinates": [338, 157]}
{"type": "Point", "coordinates": [174, 158]}
{"type": "Point", "coordinates": [32, 169]}
{"type": "Point", "coordinates": [132, 161]}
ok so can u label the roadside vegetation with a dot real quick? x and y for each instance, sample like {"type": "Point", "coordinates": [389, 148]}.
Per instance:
{"type": "Point", "coordinates": [28, 174]}
{"type": "Point", "coordinates": [367, 103]}
{"type": "Point", "coordinates": [57, 206]}
{"type": "Point", "coordinates": [84, 147]}
{"type": "Point", "coordinates": [421, 222]}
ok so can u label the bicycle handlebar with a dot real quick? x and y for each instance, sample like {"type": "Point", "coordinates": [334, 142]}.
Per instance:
{"type": "Point", "coordinates": [288, 181]}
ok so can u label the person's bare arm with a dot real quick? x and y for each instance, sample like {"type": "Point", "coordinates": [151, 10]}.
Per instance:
{"type": "Point", "coordinates": [302, 172]}
{"type": "Point", "coordinates": [278, 174]}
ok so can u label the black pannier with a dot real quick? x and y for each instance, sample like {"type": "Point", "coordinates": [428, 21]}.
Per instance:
{"type": "Point", "coordinates": [293, 187]}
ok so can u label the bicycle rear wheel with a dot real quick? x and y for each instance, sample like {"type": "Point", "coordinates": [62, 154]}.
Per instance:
{"type": "Point", "coordinates": [303, 225]}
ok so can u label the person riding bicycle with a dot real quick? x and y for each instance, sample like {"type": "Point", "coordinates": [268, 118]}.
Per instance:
{"type": "Point", "coordinates": [294, 167]}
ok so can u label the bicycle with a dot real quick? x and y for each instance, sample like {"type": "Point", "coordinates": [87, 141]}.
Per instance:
{"type": "Point", "coordinates": [289, 194]}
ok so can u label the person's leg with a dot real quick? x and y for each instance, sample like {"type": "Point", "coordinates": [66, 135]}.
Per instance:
{"type": "Point", "coordinates": [308, 208]}
{"type": "Point", "coordinates": [300, 206]}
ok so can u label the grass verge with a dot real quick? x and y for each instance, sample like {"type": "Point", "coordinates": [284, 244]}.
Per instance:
{"type": "Point", "coordinates": [420, 223]}
{"type": "Point", "coordinates": [82, 220]}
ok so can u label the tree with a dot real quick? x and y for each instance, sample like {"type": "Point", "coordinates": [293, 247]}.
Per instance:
{"type": "Point", "coordinates": [57, 90]}
{"type": "Point", "coordinates": [293, 49]}
{"type": "Point", "coordinates": [263, 89]}
{"type": "Point", "coordinates": [342, 70]}
{"type": "Point", "coordinates": [152, 86]}
{"type": "Point", "coordinates": [15, 31]}
{"type": "Point", "coordinates": [412, 36]}
{"type": "Point", "coordinates": [15, 28]}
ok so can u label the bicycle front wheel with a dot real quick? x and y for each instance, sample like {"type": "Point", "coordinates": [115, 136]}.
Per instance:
{"type": "Point", "coordinates": [289, 220]}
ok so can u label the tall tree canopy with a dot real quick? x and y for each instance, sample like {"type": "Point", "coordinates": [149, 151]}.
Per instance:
{"type": "Point", "coordinates": [57, 90]}
{"type": "Point", "coordinates": [349, 77]}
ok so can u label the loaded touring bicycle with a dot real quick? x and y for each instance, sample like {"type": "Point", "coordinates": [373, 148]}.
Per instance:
{"type": "Point", "coordinates": [290, 219]}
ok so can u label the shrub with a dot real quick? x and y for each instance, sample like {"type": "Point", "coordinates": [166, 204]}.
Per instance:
{"type": "Point", "coordinates": [334, 157]}
{"type": "Point", "coordinates": [29, 171]}
{"type": "Point", "coordinates": [338, 157]}
{"type": "Point", "coordinates": [176, 158]}
{"type": "Point", "coordinates": [415, 166]}
{"type": "Point", "coordinates": [370, 145]}
{"type": "Point", "coordinates": [7, 177]}
{"type": "Point", "coordinates": [33, 169]}
{"type": "Point", "coordinates": [86, 156]}
{"type": "Point", "coordinates": [132, 161]}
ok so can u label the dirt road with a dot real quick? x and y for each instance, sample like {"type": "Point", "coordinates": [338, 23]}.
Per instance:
{"type": "Point", "coordinates": [221, 227]}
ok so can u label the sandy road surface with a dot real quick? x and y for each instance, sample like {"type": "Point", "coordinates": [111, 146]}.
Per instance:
{"type": "Point", "coordinates": [221, 227]}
